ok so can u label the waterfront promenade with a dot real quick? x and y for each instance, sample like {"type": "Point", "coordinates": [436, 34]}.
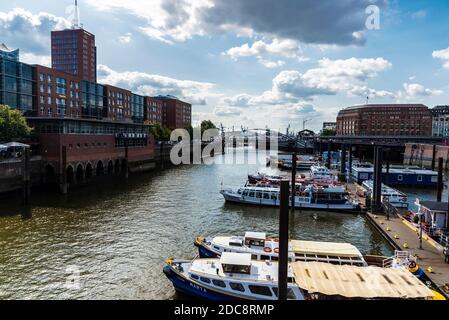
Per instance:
{"type": "Point", "coordinates": [400, 232]}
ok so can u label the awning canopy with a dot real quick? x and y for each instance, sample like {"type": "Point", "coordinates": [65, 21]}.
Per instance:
{"type": "Point", "coordinates": [3, 147]}
{"type": "Point", "coordinates": [325, 248]}
{"type": "Point", "coordinates": [256, 235]}
{"type": "Point", "coordinates": [359, 282]}
{"type": "Point", "coordinates": [236, 259]}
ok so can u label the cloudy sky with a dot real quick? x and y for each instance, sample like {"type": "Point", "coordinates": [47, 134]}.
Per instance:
{"type": "Point", "coordinates": [254, 63]}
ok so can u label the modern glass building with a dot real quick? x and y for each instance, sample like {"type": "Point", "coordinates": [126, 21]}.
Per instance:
{"type": "Point", "coordinates": [16, 83]}
{"type": "Point", "coordinates": [137, 105]}
{"type": "Point", "coordinates": [92, 100]}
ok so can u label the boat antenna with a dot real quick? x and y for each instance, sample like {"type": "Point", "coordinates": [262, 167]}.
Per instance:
{"type": "Point", "coordinates": [76, 18]}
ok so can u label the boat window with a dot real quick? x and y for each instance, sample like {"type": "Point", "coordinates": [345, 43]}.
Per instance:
{"type": "Point", "coordinates": [291, 280]}
{"type": "Point", "coordinates": [216, 248]}
{"type": "Point", "coordinates": [400, 177]}
{"type": "Point", "coordinates": [245, 192]}
{"type": "Point", "coordinates": [240, 191]}
{"type": "Point", "coordinates": [274, 196]}
{"type": "Point", "coordinates": [219, 283]}
{"type": "Point", "coordinates": [205, 280]}
{"type": "Point", "coordinates": [266, 196]}
{"type": "Point", "coordinates": [194, 276]}
{"type": "Point", "coordinates": [419, 179]}
{"type": "Point", "coordinates": [290, 293]}
{"type": "Point", "coordinates": [264, 257]}
{"type": "Point", "coordinates": [254, 257]}
{"type": "Point", "coordinates": [230, 268]}
{"type": "Point", "coordinates": [274, 259]}
{"type": "Point", "coordinates": [260, 290]}
{"type": "Point", "coordinates": [237, 287]}
{"type": "Point", "coordinates": [259, 195]}
{"type": "Point", "coordinates": [251, 194]}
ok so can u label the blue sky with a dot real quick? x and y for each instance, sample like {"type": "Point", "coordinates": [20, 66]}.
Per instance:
{"type": "Point", "coordinates": [254, 63]}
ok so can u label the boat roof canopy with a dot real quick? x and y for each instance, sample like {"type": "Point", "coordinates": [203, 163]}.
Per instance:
{"type": "Point", "coordinates": [435, 205]}
{"type": "Point", "coordinates": [256, 235]}
{"type": "Point", "coordinates": [325, 248]}
{"type": "Point", "coordinates": [359, 282]}
{"type": "Point", "coordinates": [236, 259]}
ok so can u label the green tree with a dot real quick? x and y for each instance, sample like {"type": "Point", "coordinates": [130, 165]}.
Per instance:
{"type": "Point", "coordinates": [328, 133]}
{"type": "Point", "coordinates": [159, 132]}
{"type": "Point", "coordinates": [207, 124]}
{"type": "Point", "coordinates": [13, 124]}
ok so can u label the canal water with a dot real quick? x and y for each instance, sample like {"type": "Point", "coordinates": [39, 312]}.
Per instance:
{"type": "Point", "coordinates": [116, 235]}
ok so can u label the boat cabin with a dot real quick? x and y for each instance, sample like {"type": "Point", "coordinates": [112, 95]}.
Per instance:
{"type": "Point", "coordinates": [236, 263]}
{"type": "Point", "coordinates": [434, 213]}
{"type": "Point", "coordinates": [256, 239]}
{"type": "Point", "coordinates": [397, 176]}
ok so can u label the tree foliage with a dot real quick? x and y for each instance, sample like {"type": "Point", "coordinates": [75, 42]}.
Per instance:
{"type": "Point", "coordinates": [13, 124]}
{"type": "Point", "coordinates": [159, 132]}
{"type": "Point", "coordinates": [328, 133]}
{"type": "Point", "coordinates": [207, 124]}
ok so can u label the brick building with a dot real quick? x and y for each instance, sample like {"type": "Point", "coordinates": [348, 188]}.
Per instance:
{"type": "Point", "coordinates": [385, 120]}
{"type": "Point", "coordinates": [153, 111]}
{"type": "Point", "coordinates": [117, 103]}
{"type": "Point", "coordinates": [440, 121]}
{"type": "Point", "coordinates": [73, 51]}
{"type": "Point", "coordinates": [176, 114]}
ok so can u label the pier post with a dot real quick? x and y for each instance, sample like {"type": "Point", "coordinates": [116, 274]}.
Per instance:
{"type": "Point", "coordinates": [161, 154]}
{"type": "Point", "coordinates": [387, 176]}
{"type": "Point", "coordinates": [328, 154]}
{"type": "Point", "coordinates": [377, 184]}
{"type": "Point", "coordinates": [293, 183]}
{"type": "Point", "coordinates": [26, 185]}
{"type": "Point", "coordinates": [63, 171]}
{"type": "Point", "coordinates": [283, 241]}
{"type": "Point", "coordinates": [434, 154]}
{"type": "Point", "coordinates": [343, 163]}
{"type": "Point", "coordinates": [440, 180]}
{"type": "Point", "coordinates": [350, 161]}
{"type": "Point", "coordinates": [257, 141]}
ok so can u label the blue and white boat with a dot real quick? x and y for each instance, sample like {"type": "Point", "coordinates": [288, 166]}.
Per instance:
{"type": "Point", "coordinates": [398, 176]}
{"type": "Point", "coordinates": [234, 276]}
{"type": "Point", "coordinates": [262, 247]}
{"type": "Point", "coordinates": [334, 198]}
{"type": "Point", "coordinates": [395, 197]}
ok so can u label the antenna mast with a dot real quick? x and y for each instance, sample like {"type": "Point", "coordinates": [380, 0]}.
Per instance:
{"type": "Point", "coordinates": [76, 18]}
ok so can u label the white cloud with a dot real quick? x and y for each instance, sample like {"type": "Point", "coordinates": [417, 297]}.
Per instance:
{"type": "Point", "coordinates": [416, 90]}
{"type": "Point", "coordinates": [150, 84]}
{"type": "Point", "coordinates": [442, 55]}
{"type": "Point", "coordinates": [126, 38]}
{"type": "Point", "coordinates": [31, 58]}
{"type": "Point", "coordinates": [29, 32]}
{"type": "Point", "coordinates": [323, 22]}
{"type": "Point", "coordinates": [270, 64]}
{"type": "Point", "coordinates": [420, 14]}
{"type": "Point", "coordinates": [285, 48]}
{"type": "Point", "coordinates": [226, 111]}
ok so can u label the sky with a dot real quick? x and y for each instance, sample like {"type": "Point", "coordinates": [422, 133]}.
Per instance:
{"type": "Point", "coordinates": [258, 63]}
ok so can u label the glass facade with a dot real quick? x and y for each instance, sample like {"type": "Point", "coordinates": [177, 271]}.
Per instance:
{"type": "Point", "coordinates": [16, 85]}
{"type": "Point", "coordinates": [137, 105]}
{"type": "Point", "coordinates": [92, 100]}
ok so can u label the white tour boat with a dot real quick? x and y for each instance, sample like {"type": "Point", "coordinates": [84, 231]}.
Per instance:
{"type": "Point", "coordinates": [320, 172]}
{"type": "Point", "coordinates": [397, 198]}
{"type": "Point", "coordinates": [262, 247]}
{"type": "Point", "coordinates": [333, 198]}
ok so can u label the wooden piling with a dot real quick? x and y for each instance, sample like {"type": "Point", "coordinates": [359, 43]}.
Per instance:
{"type": "Point", "coordinates": [434, 154]}
{"type": "Point", "coordinates": [343, 163]}
{"type": "Point", "coordinates": [440, 180]}
{"type": "Point", "coordinates": [329, 154]}
{"type": "Point", "coordinates": [63, 170]}
{"type": "Point", "coordinates": [26, 185]}
{"type": "Point", "coordinates": [283, 241]}
{"type": "Point", "coordinates": [293, 183]}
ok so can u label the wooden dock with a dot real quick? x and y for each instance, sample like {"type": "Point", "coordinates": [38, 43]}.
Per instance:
{"type": "Point", "coordinates": [404, 236]}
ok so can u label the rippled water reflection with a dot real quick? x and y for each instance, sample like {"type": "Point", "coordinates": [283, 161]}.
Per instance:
{"type": "Point", "coordinates": [118, 234]}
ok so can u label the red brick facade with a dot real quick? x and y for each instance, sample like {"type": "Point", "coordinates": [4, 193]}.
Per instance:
{"type": "Point", "coordinates": [58, 94]}
{"type": "Point", "coordinates": [385, 120]}
{"type": "Point", "coordinates": [153, 111]}
{"type": "Point", "coordinates": [176, 114]}
{"type": "Point", "coordinates": [74, 52]}
{"type": "Point", "coordinates": [117, 103]}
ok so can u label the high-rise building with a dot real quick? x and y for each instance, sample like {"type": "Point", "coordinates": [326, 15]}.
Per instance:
{"type": "Point", "coordinates": [74, 51]}
{"type": "Point", "coordinates": [153, 111]}
{"type": "Point", "coordinates": [176, 114]}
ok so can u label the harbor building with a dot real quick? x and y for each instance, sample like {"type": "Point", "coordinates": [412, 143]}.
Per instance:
{"type": "Point", "coordinates": [16, 81]}
{"type": "Point", "coordinates": [153, 111]}
{"type": "Point", "coordinates": [175, 113]}
{"type": "Point", "coordinates": [411, 120]}
{"type": "Point", "coordinates": [440, 121]}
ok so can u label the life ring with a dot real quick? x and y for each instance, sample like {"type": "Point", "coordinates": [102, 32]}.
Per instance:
{"type": "Point", "coordinates": [267, 250]}
{"type": "Point", "coordinates": [276, 250]}
{"type": "Point", "coordinates": [412, 265]}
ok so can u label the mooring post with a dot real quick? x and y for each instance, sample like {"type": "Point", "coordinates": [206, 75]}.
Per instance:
{"type": "Point", "coordinates": [26, 176]}
{"type": "Point", "coordinates": [378, 178]}
{"type": "Point", "coordinates": [294, 157]}
{"type": "Point", "coordinates": [126, 166]}
{"type": "Point", "coordinates": [440, 180]}
{"type": "Point", "coordinates": [161, 154]}
{"type": "Point", "coordinates": [350, 161]}
{"type": "Point", "coordinates": [329, 154]}
{"type": "Point", "coordinates": [283, 241]}
{"type": "Point", "coordinates": [63, 171]}
{"type": "Point", "coordinates": [434, 154]}
{"type": "Point", "coordinates": [343, 163]}
{"type": "Point", "coordinates": [387, 176]}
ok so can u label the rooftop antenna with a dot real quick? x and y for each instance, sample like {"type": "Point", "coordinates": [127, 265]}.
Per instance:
{"type": "Point", "coordinates": [367, 100]}
{"type": "Point", "coordinates": [76, 17]}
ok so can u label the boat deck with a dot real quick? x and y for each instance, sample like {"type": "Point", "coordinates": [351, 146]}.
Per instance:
{"type": "Point", "coordinates": [399, 231]}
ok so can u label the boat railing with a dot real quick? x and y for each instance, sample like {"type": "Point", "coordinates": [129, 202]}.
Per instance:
{"type": "Point", "coordinates": [401, 258]}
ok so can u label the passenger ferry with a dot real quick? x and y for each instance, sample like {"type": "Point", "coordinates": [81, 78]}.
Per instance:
{"type": "Point", "coordinates": [234, 276]}
{"type": "Point", "coordinates": [320, 172]}
{"type": "Point", "coordinates": [311, 197]}
{"type": "Point", "coordinates": [397, 198]}
{"type": "Point", "coordinates": [262, 247]}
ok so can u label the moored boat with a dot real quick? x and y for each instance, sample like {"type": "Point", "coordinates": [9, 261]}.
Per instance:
{"type": "Point", "coordinates": [395, 197]}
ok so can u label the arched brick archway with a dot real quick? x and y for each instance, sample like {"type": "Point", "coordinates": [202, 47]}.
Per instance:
{"type": "Point", "coordinates": [79, 173]}
{"type": "Point", "coordinates": [117, 166]}
{"type": "Point", "coordinates": [89, 171]}
{"type": "Point", "coordinates": [70, 174]}
{"type": "Point", "coordinates": [50, 174]}
{"type": "Point", "coordinates": [100, 169]}
{"type": "Point", "coordinates": [110, 168]}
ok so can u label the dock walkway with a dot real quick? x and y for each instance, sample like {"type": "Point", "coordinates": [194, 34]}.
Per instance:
{"type": "Point", "coordinates": [399, 231]}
